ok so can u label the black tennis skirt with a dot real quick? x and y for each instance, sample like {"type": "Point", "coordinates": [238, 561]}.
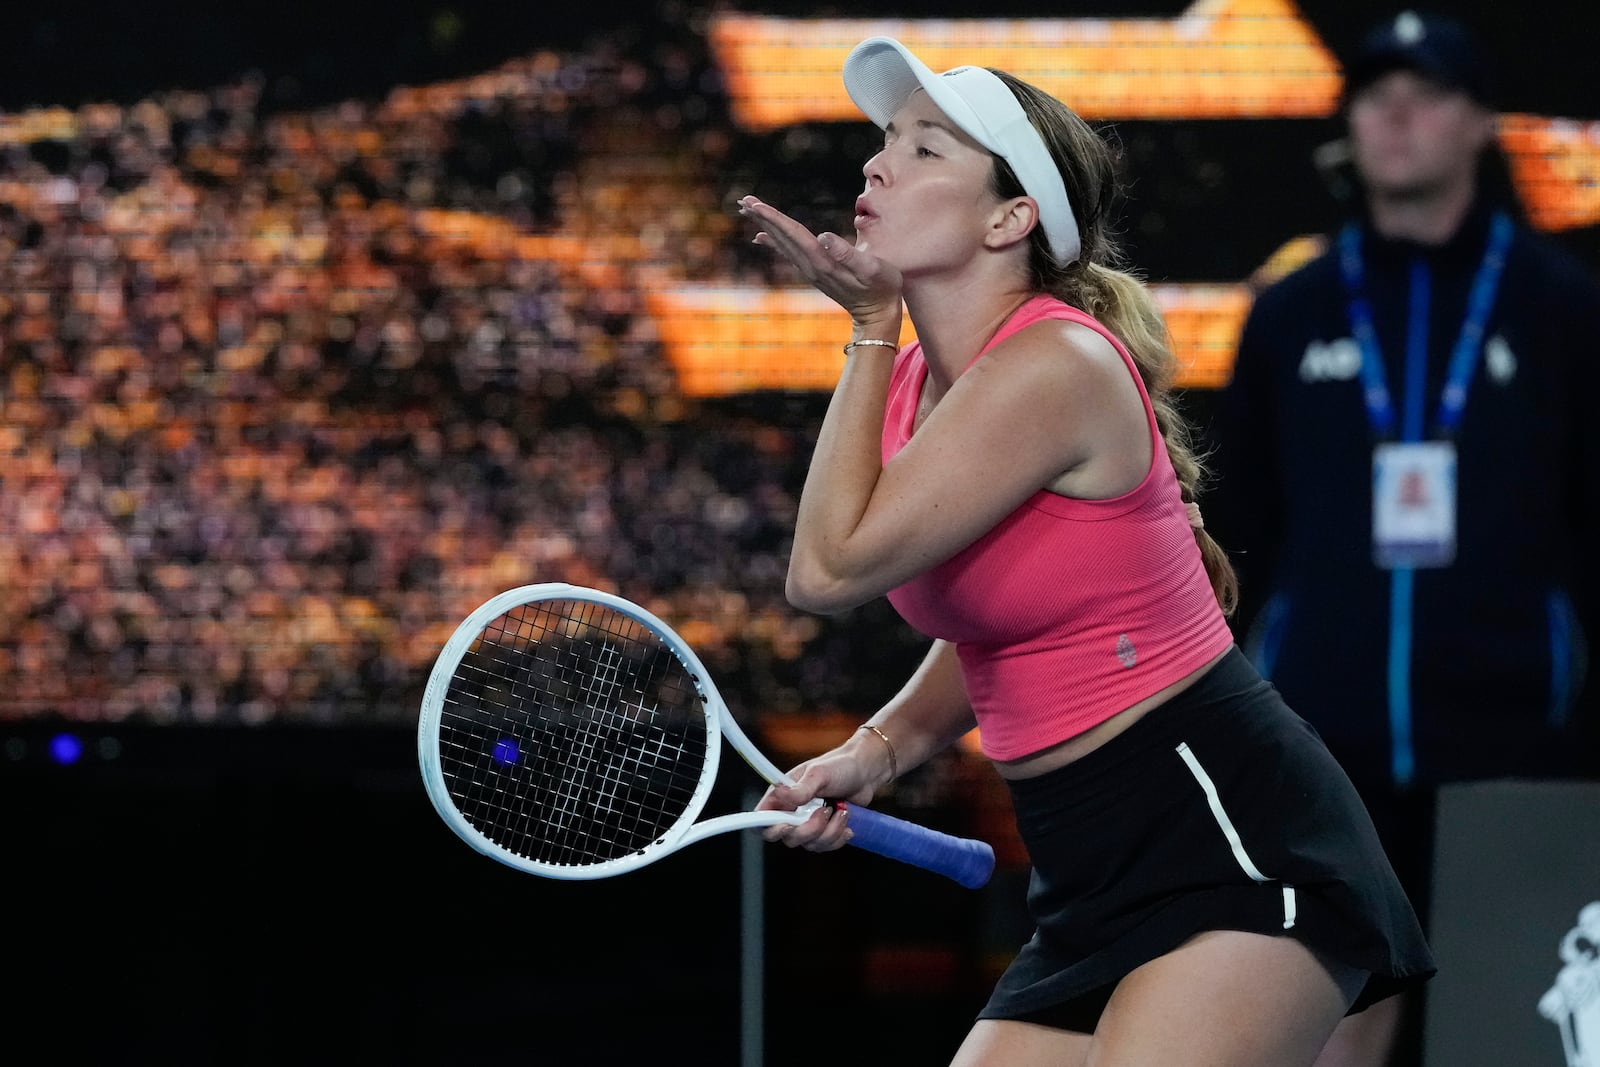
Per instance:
{"type": "Point", "coordinates": [1219, 810]}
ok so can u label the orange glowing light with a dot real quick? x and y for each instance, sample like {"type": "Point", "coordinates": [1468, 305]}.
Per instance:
{"type": "Point", "coordinates": [724, 340]}
{"type": "Point", "coordinates": [1556, 166]}
{"type": "Point", "coordinates": [1219, 59]}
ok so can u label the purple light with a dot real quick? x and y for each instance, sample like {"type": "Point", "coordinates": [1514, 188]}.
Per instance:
{"type": "Point", "coordinates": [65, 748]}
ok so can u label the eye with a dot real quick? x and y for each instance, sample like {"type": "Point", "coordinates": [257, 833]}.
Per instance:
{"type": "Point", "coordinates": [924, 152]}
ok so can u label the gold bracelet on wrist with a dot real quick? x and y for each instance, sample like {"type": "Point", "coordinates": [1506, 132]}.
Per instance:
{"type": "Point", "coordinates": [894, 763]}
{"type": "Point", "coordinates": [873, 341]}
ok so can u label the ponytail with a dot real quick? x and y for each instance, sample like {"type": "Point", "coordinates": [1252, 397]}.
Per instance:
{"type": "Point", "coordinates": [1096, 284]}
{"type": "Point", "coordinates": [1124, 306]}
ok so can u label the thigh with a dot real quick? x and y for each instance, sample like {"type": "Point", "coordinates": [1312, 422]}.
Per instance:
{"type": "Point", "coordinates": [1367, 1038]}
{"type": "Point", "coordinates": [1013, 1043]}
{"type": "Point", "coordinates": [1226, 999]}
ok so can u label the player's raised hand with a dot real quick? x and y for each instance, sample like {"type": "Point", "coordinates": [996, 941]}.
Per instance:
{"type": "Point", "coordinates": [861, 283]}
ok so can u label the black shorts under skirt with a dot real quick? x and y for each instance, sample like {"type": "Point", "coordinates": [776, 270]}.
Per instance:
{"type": "Point", "coordinates": [1220, 809]}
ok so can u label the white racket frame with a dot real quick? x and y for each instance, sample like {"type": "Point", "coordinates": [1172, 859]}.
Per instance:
{"type": "Point", "coordinates": [719, 724]}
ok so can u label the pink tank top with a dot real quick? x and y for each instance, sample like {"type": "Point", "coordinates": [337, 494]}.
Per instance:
{"type": "Point", "coordinates": [1069, 610]}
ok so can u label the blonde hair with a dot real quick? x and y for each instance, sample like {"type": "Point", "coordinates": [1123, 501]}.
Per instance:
{"type": "Point", "coordinates": [1099, 283]}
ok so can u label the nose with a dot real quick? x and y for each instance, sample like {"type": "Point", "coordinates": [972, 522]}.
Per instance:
{"type": "Point", "coordinates": [874, 168]}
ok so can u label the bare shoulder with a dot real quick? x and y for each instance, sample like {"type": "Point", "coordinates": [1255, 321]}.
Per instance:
{"type": "Point", "coordinates": [1070, 377]}
{"type": "Point", "coordinates": [1060, 353]}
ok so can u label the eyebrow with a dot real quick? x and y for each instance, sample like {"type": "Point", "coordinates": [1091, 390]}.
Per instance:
{"type": "Point", "coordinates": [925, 124]}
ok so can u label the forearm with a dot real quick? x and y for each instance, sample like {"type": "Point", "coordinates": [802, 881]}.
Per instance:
{"type": "Point", "coordinates": [828, 559]}
{"type": "Point", "coordinates": [928, 715]}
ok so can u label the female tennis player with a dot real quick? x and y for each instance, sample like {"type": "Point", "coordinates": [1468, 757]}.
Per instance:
{"type": "Point", "coordinates": [1207, 888]}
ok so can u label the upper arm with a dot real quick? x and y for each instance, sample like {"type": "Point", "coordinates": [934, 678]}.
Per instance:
{"type": "Point", "coordinates": [1053, 399]}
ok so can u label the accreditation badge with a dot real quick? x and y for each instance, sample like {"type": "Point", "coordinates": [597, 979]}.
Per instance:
{"type": "Point", "coordinates": [1414, 504]}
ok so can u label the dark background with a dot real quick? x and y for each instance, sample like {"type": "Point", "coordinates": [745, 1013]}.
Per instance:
{"type": "Point", "coordinates": [1208, 201]}
{"type": "Point", "coordinates": [286, 895]}
{"type": "Point", "coordinates": [74, 50]}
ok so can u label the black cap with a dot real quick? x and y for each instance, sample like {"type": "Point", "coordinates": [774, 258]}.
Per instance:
{"type": "Point", "coordinates": [1436, 46]}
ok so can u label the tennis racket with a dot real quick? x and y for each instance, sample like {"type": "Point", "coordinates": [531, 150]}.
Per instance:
{"type": "Point", "coordinates": [570, 733]}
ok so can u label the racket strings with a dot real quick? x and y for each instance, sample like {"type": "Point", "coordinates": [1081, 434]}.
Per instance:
{"type": "Point", "coordinates": [572, 735]}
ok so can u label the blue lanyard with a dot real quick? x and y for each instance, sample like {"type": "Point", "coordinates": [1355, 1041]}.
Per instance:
{"type": "Point", "coordinates": [1463, 360]}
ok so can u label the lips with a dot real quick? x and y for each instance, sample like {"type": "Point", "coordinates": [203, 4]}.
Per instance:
{"type": "Point", "coordinates": [864, 213]}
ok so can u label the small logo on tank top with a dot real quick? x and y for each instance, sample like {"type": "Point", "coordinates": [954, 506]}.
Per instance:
{"type": "Point", "coordinates": [1127, 655]}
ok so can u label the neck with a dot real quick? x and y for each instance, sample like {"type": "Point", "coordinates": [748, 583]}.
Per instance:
{"type": "Point", "coordinates": [1428, 217]}
{"type": "Point", "coordinates": [955, 318]}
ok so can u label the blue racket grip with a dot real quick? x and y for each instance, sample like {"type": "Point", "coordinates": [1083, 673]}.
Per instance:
{"type": "Point", "coordinates": [963, 859]}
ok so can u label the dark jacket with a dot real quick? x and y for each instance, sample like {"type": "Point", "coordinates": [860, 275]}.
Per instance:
{"type": "Point", "coordinates": [1497, 646]}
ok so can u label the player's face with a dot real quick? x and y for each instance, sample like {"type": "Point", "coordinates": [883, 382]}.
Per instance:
{"type": "Point", "coordinates": [927, 200]}
{"type": "Point", "coordinates": [1412, 137]}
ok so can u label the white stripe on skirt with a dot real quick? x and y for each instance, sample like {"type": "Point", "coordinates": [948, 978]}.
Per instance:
{"type": "Point", "coordinates": [1219, 813]}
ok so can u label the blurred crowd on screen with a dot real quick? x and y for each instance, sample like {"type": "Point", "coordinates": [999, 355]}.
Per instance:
{"type": "Point", "coordinates": [283, 396]}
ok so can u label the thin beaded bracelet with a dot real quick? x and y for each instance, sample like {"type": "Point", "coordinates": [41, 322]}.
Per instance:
{"type": "Point", "coordinates": [875, 342]}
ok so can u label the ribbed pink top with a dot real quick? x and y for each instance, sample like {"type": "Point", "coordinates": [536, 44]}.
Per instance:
{"type": "Point", "coordinates": [1069, 610]}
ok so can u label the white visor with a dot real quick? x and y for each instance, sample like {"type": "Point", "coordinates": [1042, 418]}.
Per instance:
{"type": "Point", "coordinates": [880, 75]}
